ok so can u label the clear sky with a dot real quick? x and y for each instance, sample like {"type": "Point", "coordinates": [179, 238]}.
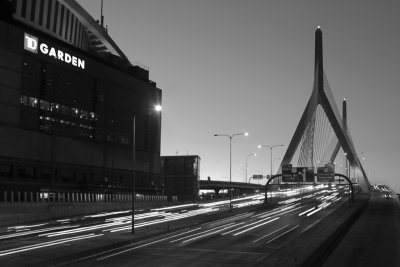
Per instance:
{"type": "Point", "coordinates": [229, 66]}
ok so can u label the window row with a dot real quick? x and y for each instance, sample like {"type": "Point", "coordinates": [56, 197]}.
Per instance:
{"type": "Point", "coordinates": [35, 102]}
{"type": "Point", "coordinates": [64, 175]}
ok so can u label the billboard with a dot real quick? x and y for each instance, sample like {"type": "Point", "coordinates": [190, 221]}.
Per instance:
{"type": "Point", "coordinates": [326, 174]}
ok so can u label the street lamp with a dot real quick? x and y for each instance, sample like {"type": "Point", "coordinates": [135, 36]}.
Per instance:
{"type": "Point", "coordinates": [230, 163]}
{"type": "Point", "coordinates": [247, 157]}
{"type": "Point", "coordinates": [158, 109]}
{"type": "Point", "coordinates": [275, 159]}
{"type": "Point", "coordinates": [363, 158]}
{"type": "Point", "coordinates": [270, 147]}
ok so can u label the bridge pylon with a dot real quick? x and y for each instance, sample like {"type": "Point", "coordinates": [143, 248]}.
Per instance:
{"type": "Point", "coordinates": [309, 141]}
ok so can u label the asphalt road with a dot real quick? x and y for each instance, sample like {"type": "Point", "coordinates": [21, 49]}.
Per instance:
{"type": "Point", "coordinates": [242, 239]}
{"type": "Point", "coordinates": [374, 240]}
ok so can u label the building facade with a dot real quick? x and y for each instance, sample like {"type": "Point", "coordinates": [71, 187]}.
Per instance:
{"type": "Point", "coordinates": [68, 96]}
{"type": "Point", "coordinates": [181, 176]}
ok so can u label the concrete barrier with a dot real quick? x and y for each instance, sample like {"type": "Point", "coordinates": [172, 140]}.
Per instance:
{"type": "Point", "coordinates": [27, 207]}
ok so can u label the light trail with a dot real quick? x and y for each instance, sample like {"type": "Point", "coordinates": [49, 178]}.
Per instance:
{"type": "Point", "coordinates": [315, 211]}
{"type": "Point", "coordinates": [202, 233]}
{"type": "Point", "coordinates": [256, 226]}
{"type": "Point", "coordinates": [175, 207]}
{"type": "Point", "coordinates": [140, 246]}
{"type": "Point", "coordinates": [246, 226]}
{"type": "Point", "coordinates": [79, 230]}
{"type": "Point", "coordinates": [284, 233]}
{"type": "Point", "coordinates": [277, 230]}
{"type": "Point", "coordinates": [211, 233]}
{"type": "Point", "coordinates": [304, 212]}
{"type": "Point", "coordinates": [46, 244]}
{"type": "Point", "coordinates": [30, 232]}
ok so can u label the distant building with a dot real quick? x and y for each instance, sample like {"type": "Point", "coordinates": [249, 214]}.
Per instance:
{"type": "Point", "coordinates": [68, 96]}
{"type": "Point", "coordinates": [181, 176]}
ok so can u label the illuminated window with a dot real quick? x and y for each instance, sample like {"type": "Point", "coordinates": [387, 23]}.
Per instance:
{"type": "Point", "coordinates": [23, 100]}
{"type": "Point", "coordinates": [84, 115]}
{"type": "Point", "coordinates": [33, 102]}
{"type": "Point", "coordinates": [75, 112]}
{"type": "Point", "coordinates": [93, 116]}
{"type": "Point", "coordinates": [54, 107]}
{"type": "Point", "coordinates": [45, 105]}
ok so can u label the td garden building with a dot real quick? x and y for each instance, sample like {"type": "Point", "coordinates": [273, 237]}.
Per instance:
{"type": "Point", "coordinates": [68, 99]}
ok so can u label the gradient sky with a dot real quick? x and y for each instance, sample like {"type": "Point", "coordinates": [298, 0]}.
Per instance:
{"type": "Point", "coordinates": [229, 66]}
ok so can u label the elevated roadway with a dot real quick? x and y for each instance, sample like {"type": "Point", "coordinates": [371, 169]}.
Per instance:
{"type": "Point", "coordinates": [237, 187]}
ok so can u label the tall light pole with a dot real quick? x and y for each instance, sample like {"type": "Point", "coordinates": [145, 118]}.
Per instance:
{"type": "Point", "coordinates": [247, 157]}
{"type": "Point", "coordinates": [363, 158]}
{"type": "Point", "coordinates": [275, 159]}
{"type": "Point", "coordinates": [158, 109]}
{"type": "Point", "coordinates": [230, 163]}
{"type": "Point", "coordinates": [271, 148]}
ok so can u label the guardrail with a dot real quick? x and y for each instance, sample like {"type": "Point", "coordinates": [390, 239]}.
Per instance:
{"type": "Point", "coordinates": [70, 197]}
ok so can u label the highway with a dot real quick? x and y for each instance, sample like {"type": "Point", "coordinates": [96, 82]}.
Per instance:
{"type": "Point", "coordinates": [374, 239]}
{"type": "Point", "coordinates": [244, 238]}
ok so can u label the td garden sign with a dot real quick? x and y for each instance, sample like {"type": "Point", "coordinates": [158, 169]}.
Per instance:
{"type": "Point", "coordinates": [31, 44]}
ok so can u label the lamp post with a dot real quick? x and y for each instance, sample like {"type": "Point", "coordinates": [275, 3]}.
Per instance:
{"type": "Point", "coordinates": [363, 158]}
{"type": "Point", "coordinates": [247, 157]}
{"type": "Point", "coordinates": [230, 163]}
{"type": "Point", "coordinates": [275, 159]}
{"type": "Point", "coordinates": [270, 147]}
{"type": "Point", "coordinates": [158, 109]}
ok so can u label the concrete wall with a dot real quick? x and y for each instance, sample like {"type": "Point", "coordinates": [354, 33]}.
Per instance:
{"type": "Point", "coordinates": [23, 213]}
{"type": "Point", "coordinates": [29, 207]}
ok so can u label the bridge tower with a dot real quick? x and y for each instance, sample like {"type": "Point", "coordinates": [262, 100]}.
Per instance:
{"type": "Point", "coordinates": [310, 142]}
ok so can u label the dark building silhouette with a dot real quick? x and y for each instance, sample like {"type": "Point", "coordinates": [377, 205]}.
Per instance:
{"type": "Point", "coordinates": [181, 176]}
{"type": "Point", "coordinates": [68, 95]}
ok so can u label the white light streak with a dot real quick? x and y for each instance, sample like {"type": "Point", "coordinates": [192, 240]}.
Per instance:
{"type": "Point", "coordinates": [256, 226]}
{"type": "Point", "coordinates": [46, 244]}
{"type": "Point", "coordinates": [284, 233]}
{"type": "Point", "coordinates": [147, 244]}
{"type": "Point", "coordinates": [258, 239]}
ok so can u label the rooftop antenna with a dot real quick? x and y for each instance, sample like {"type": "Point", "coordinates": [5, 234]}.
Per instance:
{"type": "Point", "coordinates": [101, 15]}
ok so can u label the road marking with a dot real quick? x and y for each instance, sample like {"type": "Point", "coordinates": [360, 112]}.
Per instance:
{"type": "Point", "coordinates": [201, 233]}
{"type": "Point", "coordinates": [126, 250]}
{"type": "Point", "coordinates": [258, 239]}
{"type": "Point", "coordinates": [283, 233]}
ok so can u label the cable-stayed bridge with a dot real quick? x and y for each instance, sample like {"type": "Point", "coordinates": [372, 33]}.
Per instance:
{"type": "Point", "coordinates": [322, 137]}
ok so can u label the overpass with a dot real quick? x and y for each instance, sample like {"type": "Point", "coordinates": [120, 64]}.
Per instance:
{"type": "Point", "coordinates": [237, 187]}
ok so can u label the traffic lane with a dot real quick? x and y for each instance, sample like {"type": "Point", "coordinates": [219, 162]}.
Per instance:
{"type": "Point", "coordinates": [374, 239]}
{"type": "Point", "coordinates": [118, 223]}
{"type": "Point", "coordinates": [201, 246]}
{"type": "Point", "coordinates": [50, 247]}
